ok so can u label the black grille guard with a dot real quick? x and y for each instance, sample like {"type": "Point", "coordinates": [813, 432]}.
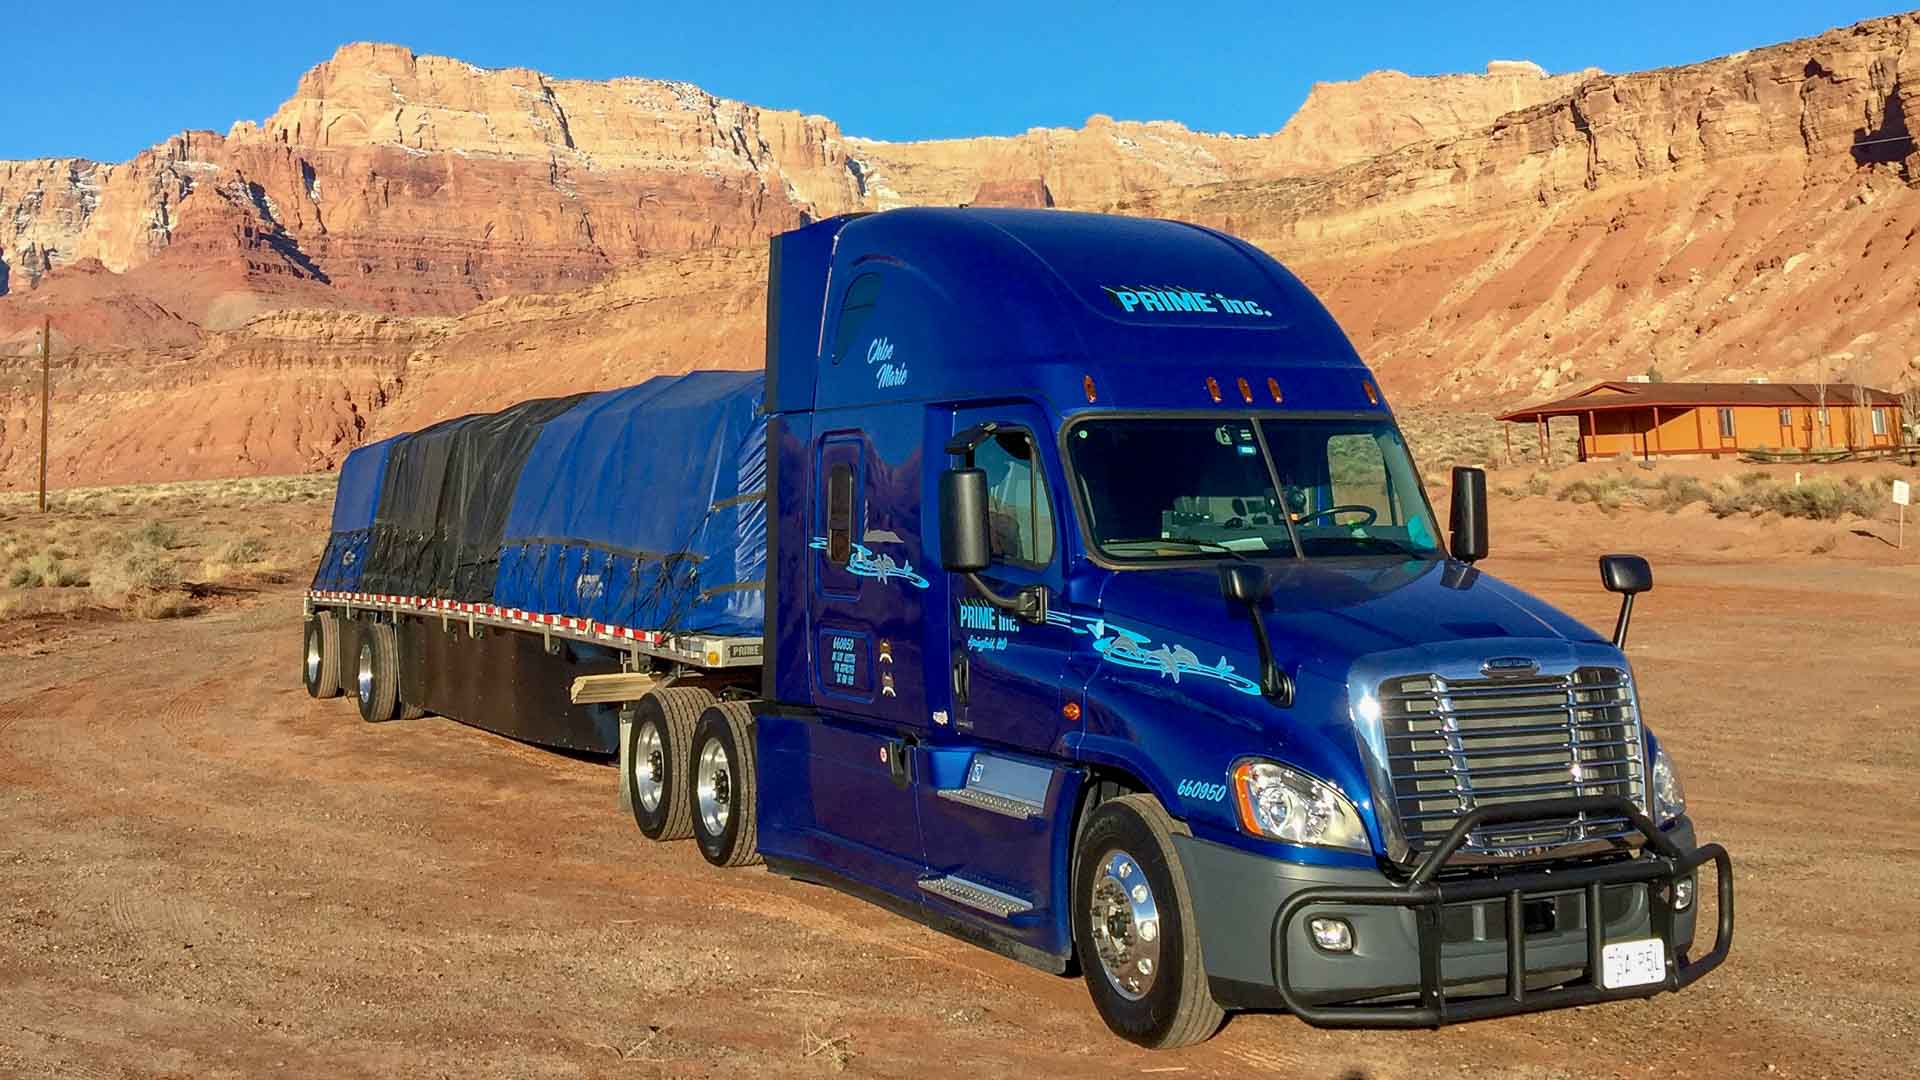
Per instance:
{"type": "Point", "coordinates": [1661, 861]}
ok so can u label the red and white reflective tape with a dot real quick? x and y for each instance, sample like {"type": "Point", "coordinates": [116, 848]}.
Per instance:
{"type": "Point", "coordinates": [565, 622]}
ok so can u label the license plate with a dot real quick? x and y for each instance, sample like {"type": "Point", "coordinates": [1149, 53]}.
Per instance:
{"type": "Point", "coordinates": [1633, 963]}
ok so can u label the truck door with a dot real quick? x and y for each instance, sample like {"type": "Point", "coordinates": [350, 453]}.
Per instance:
{"type": "Point", "coordinates": [864, 598]}
{"type": "Point", "coordinates": [993, 809]}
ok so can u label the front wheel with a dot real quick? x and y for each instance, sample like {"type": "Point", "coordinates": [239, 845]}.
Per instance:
{"type": "Point", "coordinates": [1134, 928]}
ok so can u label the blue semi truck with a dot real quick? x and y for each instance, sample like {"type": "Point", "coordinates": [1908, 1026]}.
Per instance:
{"type": "Point", "coordinates": [1065, 584]}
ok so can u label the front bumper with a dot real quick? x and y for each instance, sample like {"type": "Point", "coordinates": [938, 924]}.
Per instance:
{"type": "Point", "coordinates": [1429, 950]}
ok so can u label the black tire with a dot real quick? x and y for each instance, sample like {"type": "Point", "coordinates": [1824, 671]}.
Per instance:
{"type": "Point", "coordinates": [671, 714]}
{"type": "Point", "coordinates": [376, 682]}
{"type": "Point", "coordinates": [1173, 1007]}
{"type": "Point", "coordinates": [725, 818]}
{"type": "Point", "coordinates": [320, 655]}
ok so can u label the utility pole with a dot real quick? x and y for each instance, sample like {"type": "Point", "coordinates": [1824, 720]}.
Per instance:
{"type": "Point", "coordinates": [46, 384]}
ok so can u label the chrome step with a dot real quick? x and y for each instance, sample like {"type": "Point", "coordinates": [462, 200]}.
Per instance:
{"type": "Point", "coordinates": [975, 895]}
{"type": "Point", "coordinates": [987, 800]}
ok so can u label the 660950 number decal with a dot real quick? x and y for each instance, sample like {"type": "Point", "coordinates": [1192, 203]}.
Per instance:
{"type": "Point", "coordinates": [1200, 789]}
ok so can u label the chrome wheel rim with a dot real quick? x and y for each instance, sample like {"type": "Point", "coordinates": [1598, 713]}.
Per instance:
{"type": "Point", "coordinates": [713, 787]}
{"type": "Point", "coordinates": [364, 676]}
{"type": "Point", "coordinates": [649, 767]}
{"type": "Point", "coordinates": [1126, 926]}
{"type": "Point", "coordinates": [313, 657]}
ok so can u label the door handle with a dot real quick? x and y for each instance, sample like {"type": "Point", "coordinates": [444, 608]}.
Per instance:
{"type": "Point", "coordinates": [899, 769]}
{"type": "Point", "coordinates": [962, 678]}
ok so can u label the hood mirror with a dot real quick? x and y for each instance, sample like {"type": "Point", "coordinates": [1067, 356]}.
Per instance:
{"type": "Point", "coordinates": [1247, 584]}
{"type": "Point", "coordinates": [1628, 575]}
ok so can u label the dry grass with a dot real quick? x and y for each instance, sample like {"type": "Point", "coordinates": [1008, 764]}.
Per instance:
{"type": "Point", "coordinates": [1818, 498]}
{"type": "Point", "coordinates": [149, 550]}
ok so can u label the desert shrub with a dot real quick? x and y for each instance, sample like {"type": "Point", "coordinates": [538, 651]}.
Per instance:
{"type": "Point", "coordinates": [239, 552]}
{"type": "Point", "coordinates": [1819, 499]}
{"type": "Point", "coordinates": [164, 604]}
{"type": "Point", "coordinates": [141, 568]}
{"type": "Point", "coordinates": [158, 534]}
{"type": "Point", "coordinates": [1609, 491]}
{"type": "Point", "coordinates": [1671, 492]}
{"type": "Point", "coordinates": [47, 569]}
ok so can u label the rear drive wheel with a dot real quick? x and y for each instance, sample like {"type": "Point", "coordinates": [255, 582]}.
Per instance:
{"type": "Point", "coordinates": [659, 760]}
{"type": "Point", "coordinates": [375, 687]}
{"type": "Point", "coordinates": [320, 655]}
{"type": "Point", "coordinates": [1134, 928]}
{"type": "Point", "coordinates": [725, 788]}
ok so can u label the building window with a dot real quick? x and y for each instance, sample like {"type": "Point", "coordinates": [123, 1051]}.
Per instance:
{"type": "Point", "coordinates": [1726, 423]}
{"type": "Point", "coordinates": [1880, 421]}
{"type": "Point", "coordinates": [1786, 417]}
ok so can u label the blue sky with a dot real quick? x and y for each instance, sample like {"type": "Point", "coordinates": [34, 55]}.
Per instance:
{"type": "Point", "coordinates": [106, 79]}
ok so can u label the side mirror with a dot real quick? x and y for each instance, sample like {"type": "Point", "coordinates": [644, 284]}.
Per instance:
{"type": "Point", "coordinates": [964, 546]}
{"type": "Point", "coordinates": [1628, 575]}
{"type": "Point", "coordinates": [1469, 524]}
{"type": "Point", "coordinates": [1244, 583]}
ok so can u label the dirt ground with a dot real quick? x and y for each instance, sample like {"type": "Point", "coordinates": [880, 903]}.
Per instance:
{"type": "Point", "coordinates": [204, 873]}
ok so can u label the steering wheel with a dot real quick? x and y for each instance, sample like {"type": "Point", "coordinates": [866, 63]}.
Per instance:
{"type": "Point", "coordinates": [1372, 514]}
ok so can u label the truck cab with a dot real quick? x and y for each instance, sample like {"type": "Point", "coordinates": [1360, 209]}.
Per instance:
{"type": "Point", "coordinates": [1108, 623]}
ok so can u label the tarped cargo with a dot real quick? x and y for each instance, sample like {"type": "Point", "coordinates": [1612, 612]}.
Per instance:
{"type": "Point", "coordinates": [444, 501]}
{"type": "Point", "coordinates": [645, 507]}
{"type": "Point", "coordinates": [641, 507]}
{"type": "Point", "coordinates": [354, 503]}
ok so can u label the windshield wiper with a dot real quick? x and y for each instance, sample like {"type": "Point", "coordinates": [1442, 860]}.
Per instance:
{"type": "Point", "coordinates": [1204, 545]}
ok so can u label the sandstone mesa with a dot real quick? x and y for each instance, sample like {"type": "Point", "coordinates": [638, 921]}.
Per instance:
{"type": "Point", "coordinates": [411, 236]}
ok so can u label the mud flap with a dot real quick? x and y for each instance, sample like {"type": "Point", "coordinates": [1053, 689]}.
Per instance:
{"type": "Point", "coordinates": [626, 766]}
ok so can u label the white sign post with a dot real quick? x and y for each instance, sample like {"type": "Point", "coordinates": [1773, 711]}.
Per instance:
{"type": "Point", "coordinates": [1902, 495]}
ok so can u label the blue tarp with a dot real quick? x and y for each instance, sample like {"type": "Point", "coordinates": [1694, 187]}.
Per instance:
{"type": "Point", "coordinates": [642, 507]}
{"type": "Point", "coordinates": [354, 503]}
{"type": "Point", "coordinates": [645, 507]}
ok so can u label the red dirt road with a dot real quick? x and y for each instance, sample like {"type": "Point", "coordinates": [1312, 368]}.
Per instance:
{"type": "Point", "coordinates": [204, 873]}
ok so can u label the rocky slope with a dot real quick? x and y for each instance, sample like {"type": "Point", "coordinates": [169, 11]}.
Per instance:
{"type": "Point", "coordinates": [409, 236]}
{"type": "Point", "coordinates": [1756, 215]}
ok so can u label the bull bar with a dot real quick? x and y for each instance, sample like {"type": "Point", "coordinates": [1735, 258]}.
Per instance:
{"type": "Point", "coordinates": [1667, 864]}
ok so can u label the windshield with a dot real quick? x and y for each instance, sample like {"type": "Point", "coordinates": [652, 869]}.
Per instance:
{"type": "Point", "coordinates": [1173, 488]}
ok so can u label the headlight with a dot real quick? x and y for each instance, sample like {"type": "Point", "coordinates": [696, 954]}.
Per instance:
{"type": "Point", "coordinates": [1284, 804]}
{"type": "Point", "coordinates": [1669, 798]}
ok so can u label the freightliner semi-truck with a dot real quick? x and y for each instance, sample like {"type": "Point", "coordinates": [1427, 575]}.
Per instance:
{"type": "Point", "coordinates": [1065, 584]}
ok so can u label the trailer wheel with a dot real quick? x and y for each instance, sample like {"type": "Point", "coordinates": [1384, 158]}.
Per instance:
{"type": "Point", "coordinates": [376, 682]}
{"type": "Point", "coordinates": [320, 655]}
{"type": "Point", "coordinates": [1134, 928]}
{"type": "Point", "coordinates": [725, 787]}
{"type": "Point", "coordinates": [659, 756]}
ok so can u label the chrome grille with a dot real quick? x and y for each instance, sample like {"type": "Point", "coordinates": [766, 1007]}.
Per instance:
{"type": "Point", "coordinates": [1454, 745]}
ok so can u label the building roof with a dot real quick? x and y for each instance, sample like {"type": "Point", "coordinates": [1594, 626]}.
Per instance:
{"type": "Point", "coordinates": [1602, 397]}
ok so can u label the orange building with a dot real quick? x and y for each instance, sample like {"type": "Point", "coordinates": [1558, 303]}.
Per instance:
{"type": "Point", "coordinates": [1648, 420]}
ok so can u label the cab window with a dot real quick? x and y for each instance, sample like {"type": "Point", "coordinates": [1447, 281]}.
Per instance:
{"type": "Point", "coordinates": [1019, 511]}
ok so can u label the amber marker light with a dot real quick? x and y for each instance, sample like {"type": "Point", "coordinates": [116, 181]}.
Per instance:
{"type": "Point", "coordinates": [1071, 710]}
{"type": "Point", "coordinates": [1373, 396]}
{"type": "Point", "coordinates": [1246, 392]}
{"type": "Point", "coordinates": [1086, 383]}
{"type": "Point", "coordinates": [1213, 389]}
{"type": "Point", "coordinates": [1273, 387]}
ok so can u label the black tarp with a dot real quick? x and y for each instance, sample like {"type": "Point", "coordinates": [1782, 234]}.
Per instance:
{"type": "Point", "coordinates": [444, 502]}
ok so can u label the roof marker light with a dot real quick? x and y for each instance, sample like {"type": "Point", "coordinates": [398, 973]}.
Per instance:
{"type": "Point", "coordinates": [1213, 389]}
{"type": "Point", "coordinates": [1246, 392]}
{"type": "Point", "coordinates": [1373, 396]}
{"type": "Point", "coordinates": [1273, 387]}
{"type": "Point", "coordinates": [1086, 383]}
